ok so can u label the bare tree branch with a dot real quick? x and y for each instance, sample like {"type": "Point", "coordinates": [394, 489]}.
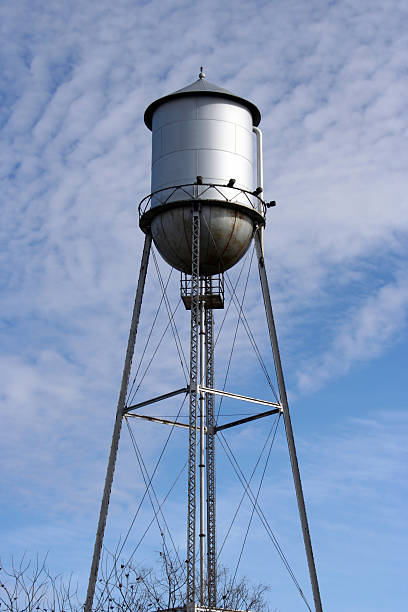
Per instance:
{"type": "Point", "coordinates": [121, 587]}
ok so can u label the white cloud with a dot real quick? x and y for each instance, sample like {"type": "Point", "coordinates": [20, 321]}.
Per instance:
{"type": "Point", "coordinates": [364, 334]}
{"type": "Point", "coordinates": [330, 80]}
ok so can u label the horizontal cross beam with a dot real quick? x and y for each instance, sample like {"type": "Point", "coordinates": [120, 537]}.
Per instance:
{"type": "Point", "coordinates": [247, 419]}
{"type": "Point", "coordinates": [243, 398]}
{"type": "Point", "coordinates": [127, 409]}
{"type": "Point", "coordinates": [158, 420]}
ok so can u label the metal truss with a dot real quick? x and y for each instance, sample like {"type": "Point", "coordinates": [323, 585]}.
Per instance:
{"type": "Point", "coordinates": [194, 399]}
{"type": "Point", "coordinates": [210, 456]}
{"type": "Point", "coordinates": [202, 295]}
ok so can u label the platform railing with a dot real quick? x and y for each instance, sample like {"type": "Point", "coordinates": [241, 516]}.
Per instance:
{"type": "Point", "coordinates": [205, 191]}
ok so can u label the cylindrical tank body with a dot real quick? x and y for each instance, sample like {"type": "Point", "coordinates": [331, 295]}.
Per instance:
{"type": "Point", "coordinates": [202, 136]}
{"type": "Point", "coordinates": [202, 131]}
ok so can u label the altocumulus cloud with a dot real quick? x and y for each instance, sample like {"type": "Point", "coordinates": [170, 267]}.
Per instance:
{"type": "Point", "coordinates": [330, 79]}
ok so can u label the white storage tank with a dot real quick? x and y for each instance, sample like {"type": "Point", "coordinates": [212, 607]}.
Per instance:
{"type": "Point", "coordinates": [202, 141]}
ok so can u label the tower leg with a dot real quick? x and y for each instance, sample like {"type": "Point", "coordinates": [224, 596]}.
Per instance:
{"type": "Point", "coordinates": [287, 419]}
{"type": "Point", "coordinates": [118, 426]}
{"type": "Point", "coordinates": [193, 408]}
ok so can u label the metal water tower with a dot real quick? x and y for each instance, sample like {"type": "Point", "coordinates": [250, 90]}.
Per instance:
{"type": "Point", "coordinates": [205, 207]}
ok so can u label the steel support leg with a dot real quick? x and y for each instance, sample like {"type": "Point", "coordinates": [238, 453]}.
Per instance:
{"type": "Point", "coordinates": [118, 426]}
{"type": "Point", "coordinates": [193, 409]}
{"type": "Point", "coordinates": [210, 460]}
{"type": "Point", "coordinates": [287, 419]}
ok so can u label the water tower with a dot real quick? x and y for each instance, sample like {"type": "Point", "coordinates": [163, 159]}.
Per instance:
{"type": "Point", "coordinates": [205, 208]}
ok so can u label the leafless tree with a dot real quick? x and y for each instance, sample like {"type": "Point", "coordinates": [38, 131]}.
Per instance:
{"type": "Point", "coordinates": [129, 587]}
{"type": "Point", "coordinates": [122, 587]}
{"type": "Point", "coordinates": [27, 586]}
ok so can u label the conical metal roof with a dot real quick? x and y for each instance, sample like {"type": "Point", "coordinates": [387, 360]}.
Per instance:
{"type": "Point", "coordinates": [202, 87]}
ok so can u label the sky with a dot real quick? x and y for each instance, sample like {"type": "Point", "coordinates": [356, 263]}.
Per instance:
{"type": "Point", "coordinates": [330, 79]}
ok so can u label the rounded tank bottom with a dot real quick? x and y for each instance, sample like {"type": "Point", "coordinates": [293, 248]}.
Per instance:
{"type": "Point", "coordinates": [225, 235]}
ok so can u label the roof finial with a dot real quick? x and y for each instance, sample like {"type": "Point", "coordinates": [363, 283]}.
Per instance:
{"type": "Point", "coordinates": [202, 74]}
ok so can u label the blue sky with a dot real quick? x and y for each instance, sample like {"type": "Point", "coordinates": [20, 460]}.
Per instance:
{"type": "Point", "coordinates": [330, 79]}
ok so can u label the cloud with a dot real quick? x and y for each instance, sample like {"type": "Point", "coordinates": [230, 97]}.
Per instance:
{"type": "Point", "coordinates": [330, 80]}
{"type": "Point", "coordinates": [364, 334]}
